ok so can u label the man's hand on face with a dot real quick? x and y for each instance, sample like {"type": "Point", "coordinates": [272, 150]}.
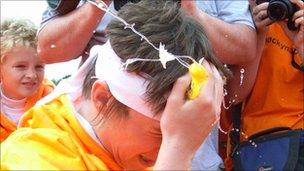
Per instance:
{"type": "Point", "coordinates": [182, 119]}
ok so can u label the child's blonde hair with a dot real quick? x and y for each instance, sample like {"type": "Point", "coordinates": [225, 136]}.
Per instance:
{"type": "Point", "coordinates": [17, 32]}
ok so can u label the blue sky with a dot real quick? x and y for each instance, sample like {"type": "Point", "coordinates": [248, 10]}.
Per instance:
{"type": "Point", "coordinates": [32, 10]}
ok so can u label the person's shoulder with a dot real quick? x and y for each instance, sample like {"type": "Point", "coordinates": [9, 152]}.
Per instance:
{"type": "Point", "coordinates": [237, 12]}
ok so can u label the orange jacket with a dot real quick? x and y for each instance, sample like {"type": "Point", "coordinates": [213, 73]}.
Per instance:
{"type": "Point", "coordinates": [7, 126]}
{"type": "Point", "coordinates": [52, 137]}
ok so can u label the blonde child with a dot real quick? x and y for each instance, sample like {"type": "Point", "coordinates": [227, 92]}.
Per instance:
{"type": "Point", "coordinates": [22, 73]}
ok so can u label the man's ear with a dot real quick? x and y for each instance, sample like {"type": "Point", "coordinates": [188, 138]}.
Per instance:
{"type": "Point", "coordinates": [100, 94]}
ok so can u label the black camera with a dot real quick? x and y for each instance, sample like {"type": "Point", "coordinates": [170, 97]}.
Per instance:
{"type": "Point", "coordinates": [279, 10]}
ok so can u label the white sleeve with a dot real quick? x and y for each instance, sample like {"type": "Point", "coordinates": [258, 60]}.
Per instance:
{"type": "Point", "coordinates": [234, 12]}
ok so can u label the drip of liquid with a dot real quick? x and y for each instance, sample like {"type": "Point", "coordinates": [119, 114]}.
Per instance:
{"type": "Point", "coordinates": [242, 71]}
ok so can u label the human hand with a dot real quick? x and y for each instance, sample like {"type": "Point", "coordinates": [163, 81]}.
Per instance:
{"type": "Point", "coordinates": [259, 15]}
{"type": "Point", "coordinates": [296, 36]}
{"type": "Point", "coordinates": [186, 123]}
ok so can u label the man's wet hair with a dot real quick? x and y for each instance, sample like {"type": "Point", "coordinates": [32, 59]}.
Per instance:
{"type": "Point", "coordinates": [163, 22]}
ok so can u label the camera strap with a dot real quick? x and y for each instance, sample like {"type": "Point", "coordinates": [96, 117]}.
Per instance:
{"type": "Point", "coordinates": [295, 64]}
{"type": "Point", "coordinates": [236, 111]}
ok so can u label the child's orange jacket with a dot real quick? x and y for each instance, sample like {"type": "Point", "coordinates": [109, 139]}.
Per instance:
{"type": "Point", "coordinates": [7, 126]}
{"type": "Point", "coordinates": [52, 137]}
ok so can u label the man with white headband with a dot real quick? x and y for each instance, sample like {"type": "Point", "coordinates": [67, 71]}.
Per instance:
{"type": "Point", "coordinates": [109, 116]}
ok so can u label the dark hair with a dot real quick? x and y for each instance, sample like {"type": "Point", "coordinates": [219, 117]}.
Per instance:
{"type": "Point", "coordinates": [163, 22]}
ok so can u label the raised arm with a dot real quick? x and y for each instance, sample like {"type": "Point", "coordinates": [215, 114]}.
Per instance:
{"type": "Point", "coordinates": [65, 37]}
{"type": "Point", "coordinates": [259, 14]}
{"type": "Point", "coordinates": [233, 43]}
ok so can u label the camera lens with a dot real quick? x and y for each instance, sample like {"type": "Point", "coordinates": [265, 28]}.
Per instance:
{"type": "Point", "coordinates": [277, 10]}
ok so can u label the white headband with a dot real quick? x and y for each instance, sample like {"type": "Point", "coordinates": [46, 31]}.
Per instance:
{"type": "Point", "coordinates": [128, 88]}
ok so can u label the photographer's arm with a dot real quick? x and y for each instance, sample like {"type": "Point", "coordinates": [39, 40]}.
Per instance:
{"type": "Point", "coordinates": [233, 43]}
{"type": "Point", "coordinates": [65, 37]}
{"type": "Point", "coordinates": [250, 74]}
{"type": "Point", "coordinates": [259, 14]}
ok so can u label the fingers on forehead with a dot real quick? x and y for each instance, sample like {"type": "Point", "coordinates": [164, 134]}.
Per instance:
{"type": "Point", "coordinates": [215, 71]}
{"type": "Point", "coordinates": [212, 70]}
{"type": "Point", "coordinates": [209, 86]}
{"type": "Point", "coordinates": [178, 91]}
{"type": "Point", "coordinates": [219, 81]}
{"type": "Point", "coordinates": [207, 66]}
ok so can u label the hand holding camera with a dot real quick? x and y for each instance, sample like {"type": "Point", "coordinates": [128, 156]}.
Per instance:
{"type": "Point", "coordinates": [260, 16]}
{"type": "Point", "coordinates": [266, 12]}
{"type": "Point", "coordinates": [297, 36]}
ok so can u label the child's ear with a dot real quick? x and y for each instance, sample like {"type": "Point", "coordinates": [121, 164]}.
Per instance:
{"type": "Point", "coordinates": [100, 94]}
